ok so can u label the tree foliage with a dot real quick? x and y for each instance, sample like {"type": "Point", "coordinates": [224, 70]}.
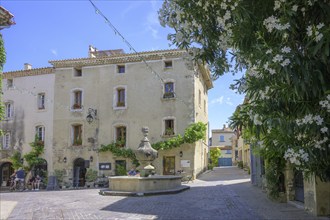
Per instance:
{"type": "Point", "coordinates": [284, 47]}
{"type": "Point", "coordinates": [215, 153]}
{"type": "Point", "coordinates": [33, 157]}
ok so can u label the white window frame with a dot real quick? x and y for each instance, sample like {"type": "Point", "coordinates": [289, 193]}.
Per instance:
{"type": "Point", "coordinates": [40, 129]}
{"type": "Point", "coordinates": [72, 95]}
{"type": "Point", "coordinates": [9, 111]}
{"type": "Point", "coordinates": [72, 134]}
{"type": "Point", "coordinates": [164, 88]}
{"type": "Point", "coordinates": [41, 101]}
{"type": "Point", "coordinates": [163, 125]}
{"type": "Point", "coordinates": [115, 97]}
{"type": "Point", "coordinates": [116, 126]}
{"type": "Point", "coordinates": [6, 141]}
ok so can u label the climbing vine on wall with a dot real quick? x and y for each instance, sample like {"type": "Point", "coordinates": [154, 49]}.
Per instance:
{"type": "Point", "coordinates": [16, 160]}
{"type": "Point", "coordinates": [33, 157]}
{"type": "Point", "coordinates": [193, 133]}
{"type": "Point", "coordinates": [2, 62]}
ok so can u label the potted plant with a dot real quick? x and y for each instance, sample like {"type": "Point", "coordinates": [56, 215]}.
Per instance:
{"type": "Point", "coordinates": [169, 131]}
{"type": "Point", "coordinates": [91, 176]}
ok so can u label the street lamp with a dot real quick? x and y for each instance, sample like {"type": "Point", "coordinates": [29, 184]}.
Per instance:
{"type": "Point", "coordinates": [91, 115]}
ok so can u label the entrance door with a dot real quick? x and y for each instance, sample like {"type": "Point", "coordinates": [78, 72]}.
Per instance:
{"type": "Point", "coordinates": [169, 165]}
{"type": "Point", "coordinates": [299, 186]}
{"type": "Point", "coordinates": [6, 170]}
{"type": "Point", "coordinates": [120, 168]}
{"type": "Point", "coordinates": [79, 172]}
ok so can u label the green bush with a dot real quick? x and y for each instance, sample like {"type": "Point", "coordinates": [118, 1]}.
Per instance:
{"type": "Point", "coordinates": [120, 170]}
{"type": "Point", "coordinates": [91, 175]}
{"type": "Point", "coordinates": [240, 164]}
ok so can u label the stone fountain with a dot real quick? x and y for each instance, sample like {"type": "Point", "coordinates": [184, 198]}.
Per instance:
{"type": "Point", "coordinates": [148, 183]}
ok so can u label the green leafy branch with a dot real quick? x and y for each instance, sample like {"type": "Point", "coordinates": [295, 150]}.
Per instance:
{"type": "Point", "coordinates": [33, 157]}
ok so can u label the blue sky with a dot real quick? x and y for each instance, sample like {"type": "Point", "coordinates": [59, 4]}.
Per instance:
{"type": "Point", "coordinates": [55, 30]}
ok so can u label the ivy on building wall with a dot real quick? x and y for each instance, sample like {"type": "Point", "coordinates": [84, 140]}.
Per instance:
{"type": "Point", "coordinates": [193, 133]}
{"type": "Point", "coordinates": [2, 62]}
{"type": "Point", "coordinates": [16, 160]}
{"type": "Point", "coordinates": [2, 53]}
{"type": "Point", "coordinates": [33, 157]}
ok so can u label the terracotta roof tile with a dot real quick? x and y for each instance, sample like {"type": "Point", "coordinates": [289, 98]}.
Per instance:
{"type": "Point", "coordinates": [31, 72]}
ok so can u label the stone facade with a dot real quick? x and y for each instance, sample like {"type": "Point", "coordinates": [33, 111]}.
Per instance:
{"type": "Point", "coordinates": [120, 93]}
{"type": "Point", "coordinates": [223, 139]}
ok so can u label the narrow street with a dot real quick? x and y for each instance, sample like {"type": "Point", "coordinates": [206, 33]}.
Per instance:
{"type": "Point", "coordinates": [224, 193]}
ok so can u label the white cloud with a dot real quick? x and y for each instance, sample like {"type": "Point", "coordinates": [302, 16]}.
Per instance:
{"type": "Point", "coordinates": [54, 52]}
{"type": "Point", "coordinates": [152, 23]}
{"type": "Point", "coordinates": [217, 100]}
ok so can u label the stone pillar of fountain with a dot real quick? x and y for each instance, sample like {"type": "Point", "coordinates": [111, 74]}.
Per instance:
{"type": "Point", "coordinates": [145, 154]}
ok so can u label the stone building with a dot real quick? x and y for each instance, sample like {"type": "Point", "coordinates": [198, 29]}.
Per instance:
{"type": "Point", "coordinates": [222, 139]}
{"type": "Point", "coordinates": [108, 97]}
{"type": "Point", "coordinates": [27, 96]}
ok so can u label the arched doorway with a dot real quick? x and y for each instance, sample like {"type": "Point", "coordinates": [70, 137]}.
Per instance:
{"type": "Point", "coordinates": [6, 170]}
{"type": "Point", "coordinates": [40, 169]}
{"type": "Point", "coordinates": [79, 172]}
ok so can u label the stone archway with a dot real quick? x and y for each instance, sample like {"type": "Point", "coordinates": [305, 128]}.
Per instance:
{"type": "Point", "coordinates": [79, 172]}
{"type": "Point", "coordinates": [6, 169]}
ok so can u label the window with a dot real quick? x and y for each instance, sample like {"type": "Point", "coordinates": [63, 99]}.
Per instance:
{"type": "Point", "coordinates": [120, 68]}
{"type": "Point", "coordinates": [76, 135]}
{"type": "Point", "coordinates": [169, 127]}
{"type": "Point", "coordinates": [77, 99]}
{"type": "Point", "coordinates": [168, 64]}
{"type": "Point", "coordinates": [228, 151]}
{"type": "Point", "coordinates": [222, 138]}
{"type": "Point", "coordinates": [121, 136]}
{"type": "Point", "coordinates": [168, 90]}
{"type": "Point", "coordinates": [40, 133]}
{"type": "Point", "coordinates": [41, 101]}
{"type": "Point", "coordinates": [6, 141]}
{"type": "Point", "coordinates": [10, 83]}
{"type": "Point", "coordinates": [9, 110]}
{"type": "Point", "coordinates": [77, 72]}
{"type": "Point", "coordinates": [121, 97]}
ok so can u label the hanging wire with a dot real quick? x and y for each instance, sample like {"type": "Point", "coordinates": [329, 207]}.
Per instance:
{"type": "Point", "coordinates": [131, 48]}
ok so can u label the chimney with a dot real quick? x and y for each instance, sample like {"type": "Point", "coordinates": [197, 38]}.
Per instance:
{"type": "Point", "coordinates": [91, 51]}
{"type": "Point", "coordinates": [27, 66]}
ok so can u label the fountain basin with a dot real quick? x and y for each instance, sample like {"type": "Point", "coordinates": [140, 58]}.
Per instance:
{"type": "Point", "coordinates": [140, 186]}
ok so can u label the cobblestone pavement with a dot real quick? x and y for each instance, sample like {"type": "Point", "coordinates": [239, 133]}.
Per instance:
{"type": "Point", "coordinates": [224, 193]}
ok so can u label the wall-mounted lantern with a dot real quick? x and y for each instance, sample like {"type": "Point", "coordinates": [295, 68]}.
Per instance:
{"type": "Point", "coordinates": [91, 115]}
{"type": "Point", "coordinates": [64, 159]}
{"type": "Point", "coordinates": [181, 153]}
{"type": "Point", "coordinates": [91, 159]}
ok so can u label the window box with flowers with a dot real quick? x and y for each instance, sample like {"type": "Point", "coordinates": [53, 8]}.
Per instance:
{"type": "Point", "coordinates": [77, 142]}
{"type": "Point", "coordinates": [120, 104]}
{"type": "Point", "coordinates": [169, 132]}
{"type": "Point", "coordinates": [168, 95]}
{"type": "Point", "coordinates": [76, 106]}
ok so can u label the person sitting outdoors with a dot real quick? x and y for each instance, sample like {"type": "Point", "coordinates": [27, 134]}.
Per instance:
{"type": "Point", "coordinates": [32, 181]}
{"type": "Point", "coordinates": [132, 172]}
{"type": "Point", "coordinates": [20, 175]}
{"type": "Point", "coordinates": [37, 182]}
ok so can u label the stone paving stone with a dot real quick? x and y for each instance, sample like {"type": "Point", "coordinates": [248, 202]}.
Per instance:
{"type": "Point", "coordinates": [220, 194]}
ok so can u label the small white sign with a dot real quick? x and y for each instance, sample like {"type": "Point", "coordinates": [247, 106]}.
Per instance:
{"type": "Point", "coordinates": [185, 163]}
